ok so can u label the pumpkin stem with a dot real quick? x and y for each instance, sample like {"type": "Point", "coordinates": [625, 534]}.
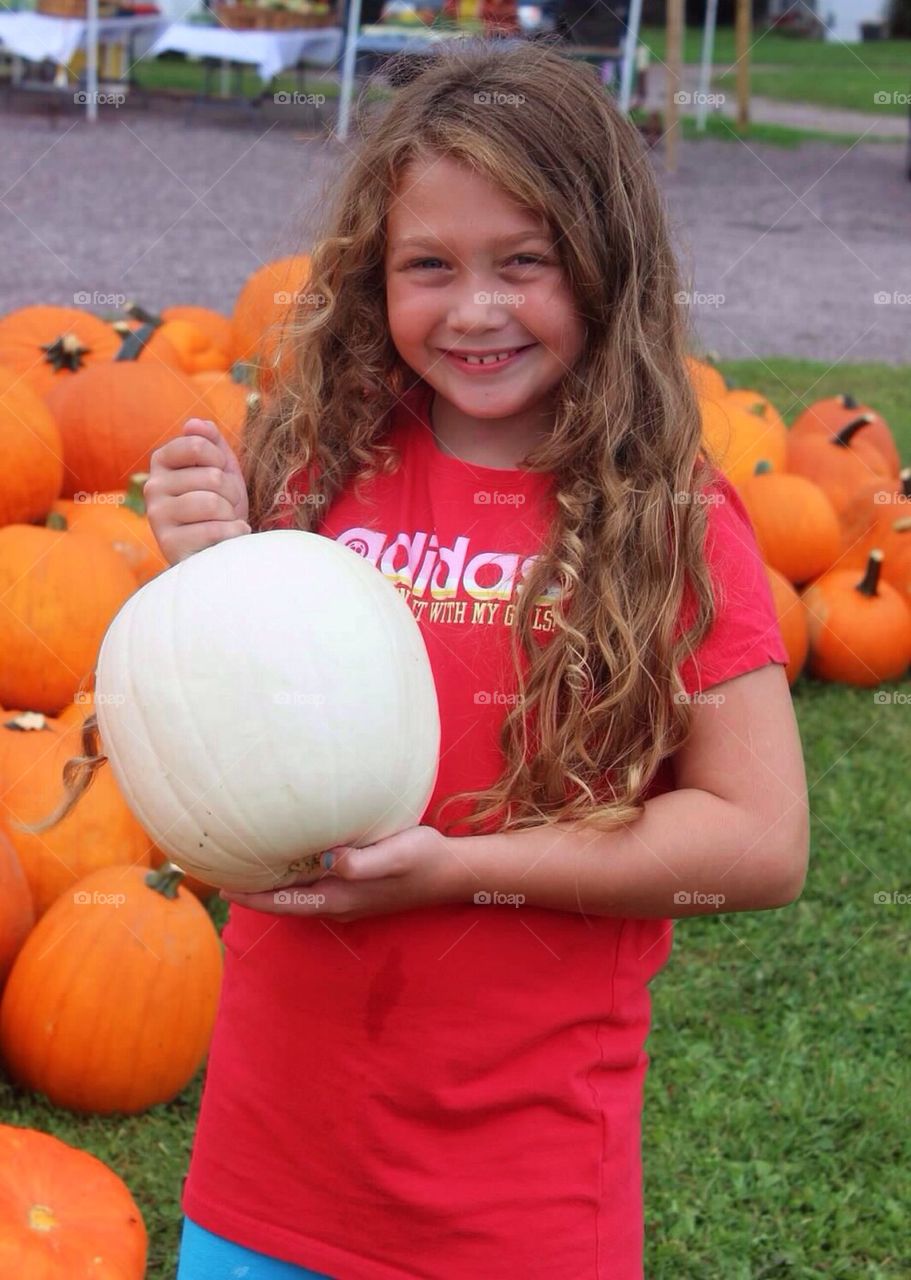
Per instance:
{"type": "Point", "coordinates": [763, 467]}
{"type": "Point", "coordinates": [65, 352]}
{"type": "Point", "coordinates": [56, 520]}
{"type": "Point", "coordinates": [27, 722]}
{"type": "Point", "coordinates": [901, 526]}
{"type": "Point", "coordinates": [867, 586]}
{"type": "Point", "coordinates": [132, 346]}
{"type": "Point", "coordinates": [137, 312]}
{"type": "Point", "coordinates": [165, 879]}
{"type": "Point", "coordinates": [848, 432]}
{"type": "Point", "coordinates": [905, 476]}
{"type": "Point", "coordinates": [134, 498]}
{"type": "Point", "coordinates": [849, 402]}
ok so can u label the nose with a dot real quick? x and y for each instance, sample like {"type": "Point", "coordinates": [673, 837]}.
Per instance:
{"type": "Point", "coordinates": [478, 308]}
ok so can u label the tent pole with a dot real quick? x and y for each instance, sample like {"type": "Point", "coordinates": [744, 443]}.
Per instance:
{"type": "Point", "coordinates": [91, 60]}
{"type": "Point", "coordinates": [674, 51]}
{"type": "Point", "coordinates": [705, 70]}
{"type": "Point", "coordinates": [629, 55]}
{"type": "Point", "coordinates": [347, 83]}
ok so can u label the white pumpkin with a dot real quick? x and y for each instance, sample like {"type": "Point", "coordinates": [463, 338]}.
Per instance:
{"type": "Point", "coordinates": [266, 699]}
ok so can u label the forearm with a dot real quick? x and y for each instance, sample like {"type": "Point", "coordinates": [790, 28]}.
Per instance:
{"type": "Point", "coordinates": [687, 842]}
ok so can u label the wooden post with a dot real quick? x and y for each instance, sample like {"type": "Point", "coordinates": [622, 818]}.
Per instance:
{"type": "Point", "coordinates": [674, 54]}
{"type": "Point", "coordinates": [743, 36]}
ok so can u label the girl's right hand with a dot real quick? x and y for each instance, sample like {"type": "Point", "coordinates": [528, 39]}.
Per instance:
{"type": "Point", "coordinates": [195, 495]}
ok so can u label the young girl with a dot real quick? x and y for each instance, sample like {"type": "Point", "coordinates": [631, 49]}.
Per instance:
{"type": "Point", "coordinates": [438, 1071]}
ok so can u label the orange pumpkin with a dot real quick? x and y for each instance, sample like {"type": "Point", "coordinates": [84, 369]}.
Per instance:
{"type": "Point", "coordinates": [226, 402]}
{"type": "Point", "coordinates": [758, 405]}
{"type": "Point", "coordinates": [195, 350]}
{"type": "Point", "coordinates": [708, 382]}
{"type": "Point", "coordinates": [848, 470]}
{"type": "Point", "coordinates": [827, 417]}
{"type": "Point", "coordinates": [736, 440]}
{"type": "Point", "coordinates": [265, 302]}
{"type": "Point", "coordinates": [792, 622]}
{"type": "Point", "coordinates": [97, 832]}
{"type": "Point", "coordinates": [111, 1001]}
{"type": "Point", "coordinates": [60, 590]}
{"type": "Point", "coordinates": [31, 452]}
{"type": "Point", "coordinates": [860, 628]}
{"type": "Point", "coordinates": [795, 523]}
{"type": "Point", "coordinates": [119, 519]}
{"type": "Point", "coordinates": [17, 914]}
{"type": "Point", "coordinates": [217, 327]}
{"type": "Point", "coordinates": [65, 1215]}
{"type": "Point", "coordinates": [46, 345]}
{"type": "Point", "coordinates": [112, 417]}
{"type": "Point", "coordinates": [896, 545]}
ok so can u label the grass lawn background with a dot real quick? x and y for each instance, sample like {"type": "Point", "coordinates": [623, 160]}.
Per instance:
{"type": "Point", "coordinates": [830, 74]}
{"type": "Point", "coordinates": [776, 1141]}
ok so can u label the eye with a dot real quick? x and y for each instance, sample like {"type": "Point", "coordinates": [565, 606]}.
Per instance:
{"type": "Point", "coordinates": [529, 257]}
{"type": "Point", "coordinates": [422, 262]}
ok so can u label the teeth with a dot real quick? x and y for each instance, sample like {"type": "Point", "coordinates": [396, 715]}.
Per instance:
{"type": "Point", "coordinates": [502, 355]}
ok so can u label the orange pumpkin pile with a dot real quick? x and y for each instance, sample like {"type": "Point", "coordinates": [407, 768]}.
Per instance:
{"type": "Point", "coordinates": [831, 509]}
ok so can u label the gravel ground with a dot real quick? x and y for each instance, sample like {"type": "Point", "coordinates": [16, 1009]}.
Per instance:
{"type": "Point", "coordinates": [786, 250]}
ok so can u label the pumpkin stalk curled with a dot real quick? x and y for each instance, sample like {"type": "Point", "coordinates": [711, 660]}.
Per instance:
{"type": "Point", "coordinates": [847, 433]}
{"type": "Point", "coordinates": [65, 352]}
{"type": "Point", "coordinates": [78, 775]}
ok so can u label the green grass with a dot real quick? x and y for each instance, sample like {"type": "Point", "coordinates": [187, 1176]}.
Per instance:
{"type": "Point", "coordinates": [774, 1133]}
{"type": "Point", "coordinates": [720, 128]}
{"type": "Point", "coordinates": [828, 74]}
{"type": "Point", "coordinates": [175, 74]}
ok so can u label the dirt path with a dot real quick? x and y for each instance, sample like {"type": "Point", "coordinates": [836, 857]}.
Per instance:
{"type": "Point", "coordinates": [788, 249]}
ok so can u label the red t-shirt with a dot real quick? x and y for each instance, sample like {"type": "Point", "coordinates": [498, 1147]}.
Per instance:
{"type": "Point", "coordinates": [452, 1093]}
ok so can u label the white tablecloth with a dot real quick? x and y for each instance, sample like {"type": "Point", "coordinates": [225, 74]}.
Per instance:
{"type": "Point", "coordinates": [270, 51]}
{"type": "Point", "coordinates": [36, 36]}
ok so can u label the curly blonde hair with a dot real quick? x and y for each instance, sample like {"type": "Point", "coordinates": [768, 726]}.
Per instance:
{"type": "Point", "coordinates": [596, 711]}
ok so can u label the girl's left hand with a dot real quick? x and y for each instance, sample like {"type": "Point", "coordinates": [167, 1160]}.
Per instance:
{"type": "Point", "coordinates": [418, 867]}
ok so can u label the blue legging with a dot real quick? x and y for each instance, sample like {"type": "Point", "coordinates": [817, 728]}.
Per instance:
{"type": "Point", "coordinates": [204, 1256]}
